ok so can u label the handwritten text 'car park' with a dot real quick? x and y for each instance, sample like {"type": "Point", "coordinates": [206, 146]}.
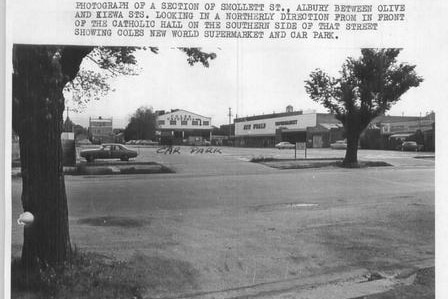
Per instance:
{"type": "Point", "coordinates": [170, 150]}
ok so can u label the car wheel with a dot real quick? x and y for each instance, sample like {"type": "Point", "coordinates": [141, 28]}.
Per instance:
{"type": "Point", "coordinates": [124, 158]}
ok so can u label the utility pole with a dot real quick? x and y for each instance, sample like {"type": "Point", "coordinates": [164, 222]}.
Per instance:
{"type": "Point", "coordinates": [67, 118]}
{"type": "Point", "coordinates": [230, 121]}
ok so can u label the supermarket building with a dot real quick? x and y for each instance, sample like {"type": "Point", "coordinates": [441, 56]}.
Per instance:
{"type": "Point", "coordinates": [316, 129]}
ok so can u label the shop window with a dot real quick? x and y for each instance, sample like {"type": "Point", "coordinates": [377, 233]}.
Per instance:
{"type": "Point", "coordinates": [206, 123]}
{"type": "Point", "coordinates": [173, 122]}
{"type": "Point", "coordinates": [195, 123]}
{"type": "Point", "coordinates": [161, 122]}
{"type": "Point", "coordinates": [183, 123]}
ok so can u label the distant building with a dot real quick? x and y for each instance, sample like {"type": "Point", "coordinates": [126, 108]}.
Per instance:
{"type": "Point", "coordinates": [224, 135]}
{"type": "Point", "coordinates": [388, 132]}
{"type": "Point", "coordinates": [227, 130]}
{"type": "Point", "coordinates": [100, 130]}
{"type": "Point", "coordinates": [183, 127]}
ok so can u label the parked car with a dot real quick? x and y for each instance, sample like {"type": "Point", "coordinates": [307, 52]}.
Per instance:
{"type": "Point", "coordinates": [83, 142]}
{"type": "Point", "coordinates": [109, 151]}
{"type": "Point", "coordinates": [284, 145]}
{"type": "Point", "coordinates": [340, 144]}
{"type": "Point", "coordinates": [148, 142]}
{"type": "Point", "coordinates": [411, 146]}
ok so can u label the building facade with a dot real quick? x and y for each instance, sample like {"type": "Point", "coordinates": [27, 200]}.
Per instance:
{"type": "Point", "coordinates": [321, 129]}
{"type": "Point", "coordinates": [316, 129]}
{"type": "Point", "coordinates": [100, 130]}
{"type": "Point", "coordinates": [389, 132]}
{"type": "Point", "coordinates": [183, 127]}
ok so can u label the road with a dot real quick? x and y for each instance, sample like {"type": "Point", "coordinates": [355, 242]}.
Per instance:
{"type": "Point", "coordinates": [239, 224]}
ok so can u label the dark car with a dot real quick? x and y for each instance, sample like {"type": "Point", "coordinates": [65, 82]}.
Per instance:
{"type": "Point", "coordinates": [109, 151]}
{"type": "Point", "coordinates": [411, 146]}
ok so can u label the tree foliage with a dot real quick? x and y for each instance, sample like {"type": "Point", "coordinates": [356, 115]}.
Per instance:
{"type": "Point", "coordinates": [106, 63]}
{"type": "Point", "coordinates": [196, 55]}
{"type": "Point", "coordinates": [142, 125]}
{"type": "Point", "coordinates": [92, 80]}
{"type": "Point", "coordinates": [366, 88]}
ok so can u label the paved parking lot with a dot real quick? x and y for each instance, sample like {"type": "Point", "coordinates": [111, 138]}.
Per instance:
{"type": "Point", "coordinates": [229, 159]}
{"type": "Point", "coordinates": [239, 225]}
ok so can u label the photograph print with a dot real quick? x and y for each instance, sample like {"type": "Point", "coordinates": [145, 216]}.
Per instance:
{"type": "Point", "coordinates": [226, 172]}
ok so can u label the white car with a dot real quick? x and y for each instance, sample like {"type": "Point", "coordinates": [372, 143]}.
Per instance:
{"type": "Point", "coordinates": [284, 145]}
{"type": "Point", "coordinates": [340, 144]}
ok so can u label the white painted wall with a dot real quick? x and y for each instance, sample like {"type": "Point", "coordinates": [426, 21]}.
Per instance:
{"type": "Point", "coordinates": [180, 115]}
{"type": "Point", "coordinates": [303, 121]}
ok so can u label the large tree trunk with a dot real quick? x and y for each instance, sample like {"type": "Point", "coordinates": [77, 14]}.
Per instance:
{"type": "Point", "coordinates": [351, 154]}
{"type": "Point", "coordinates": [38, 106]}
{"type": "Point", "coordinates": [47, 238]}
{"type": "Point", "coordinates": [353, 127]}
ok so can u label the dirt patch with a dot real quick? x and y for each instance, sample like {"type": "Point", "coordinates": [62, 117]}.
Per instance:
{"type": "Point", "coordinates": [162, 275]}
{"type": "Point", "coordinates": [104, 168]}
{"type": "Point", "coordinates": [425, 157]}
{"type": "Point", "coordinates": [423, 287]}
{"type": "Point", "coordinates": [379, 245]}
{"type": "Point", "coordinates": [113, 221]}
{"type": "Point", "coordinates": [283, 206]}
{"type": "Point", "coordinates": [110, 168]}
{"type": "Point", "coordinates": [313, 163]}
{"type": "Point", "coordinates": [261, 159]}
{"type": "Point", "coordinates": [94, 276]}
{"type": "Point", "coordinates": [362, 164]}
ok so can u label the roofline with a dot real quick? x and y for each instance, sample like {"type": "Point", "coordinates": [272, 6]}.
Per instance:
{"type": "Point", "coordinates": [177, 110]}
{"type": "Point", "coordinates": [267, 116]}
{"type": "Point", "coordinates": [256, 135]}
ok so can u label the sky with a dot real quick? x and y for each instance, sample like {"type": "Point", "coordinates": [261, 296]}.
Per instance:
{"type": "Point", "coordinates": [250, 80]}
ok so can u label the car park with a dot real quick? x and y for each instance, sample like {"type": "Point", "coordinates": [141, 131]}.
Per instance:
{"type": "Point", "coordinates": [109, 151]}
{"type": "Point", "coordinates": [284, 145]}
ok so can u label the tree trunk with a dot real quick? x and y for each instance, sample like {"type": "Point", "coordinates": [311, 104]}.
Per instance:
{"type": "Point", "coordinates": [351, 154]}
{"type": "Point", "coordinates": [38, 107]}
{"type": "Point", "coordinates": [352, 132]}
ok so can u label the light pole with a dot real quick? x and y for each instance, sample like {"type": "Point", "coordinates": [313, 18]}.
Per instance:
{"type": "Point", "coordinates": [230, 122]}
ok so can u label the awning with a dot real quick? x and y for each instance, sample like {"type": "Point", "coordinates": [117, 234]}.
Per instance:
{"type": "Point", "coordinates": [285, 130]}
{"type": "Point", "coordinates": [398, 136]}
